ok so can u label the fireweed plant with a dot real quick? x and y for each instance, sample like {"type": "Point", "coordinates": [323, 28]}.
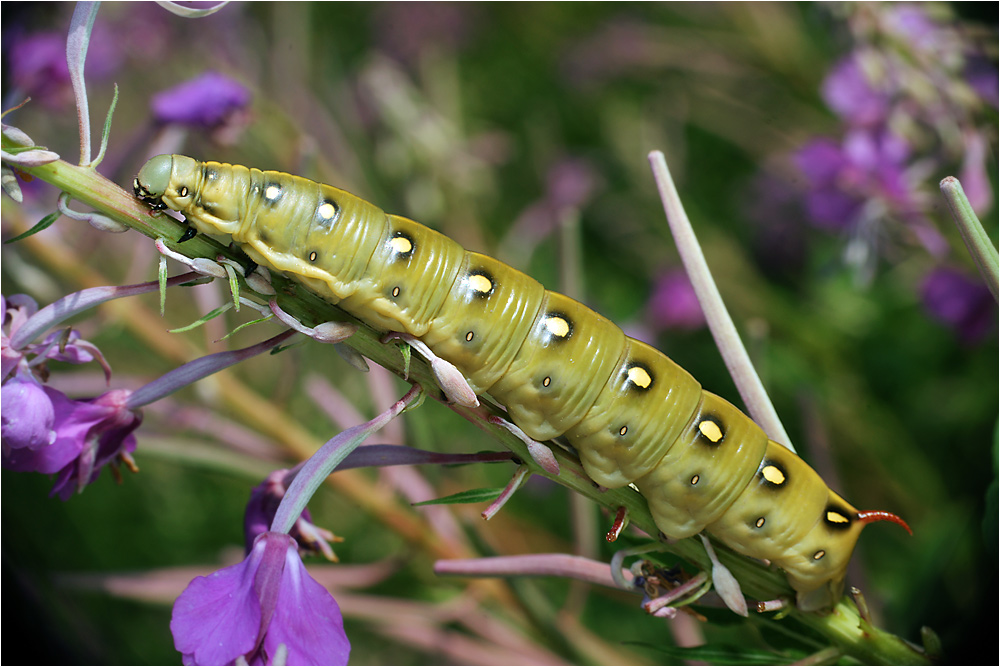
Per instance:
{"type": "Point", "coordinates": [911, 97]}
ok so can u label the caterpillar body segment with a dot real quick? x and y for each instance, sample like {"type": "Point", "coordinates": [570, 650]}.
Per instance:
{"type": "Point", "coordinates": [560, 368]}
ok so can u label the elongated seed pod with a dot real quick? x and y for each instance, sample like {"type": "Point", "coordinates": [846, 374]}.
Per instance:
{"type": "Point", "coordinates": [560, 368]}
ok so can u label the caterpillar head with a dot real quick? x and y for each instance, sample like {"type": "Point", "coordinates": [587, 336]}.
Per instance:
{"type": "Point", "coordinates": [202, 192]}
{"type": "Point", "coordinates": [169, 181]}
{"type": "Point", "coordinates": [153, 180]}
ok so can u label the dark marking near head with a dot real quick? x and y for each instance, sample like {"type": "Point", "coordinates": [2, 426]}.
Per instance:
{"type": "Point", "coordinates": [188, 234]}
{"type": "Point", "coordinates": [819, 554]}
{"type": "Point", "coordinates": [182, 191]}
{"type": "Point", "coordinates": [312, 256]}
{"type": "Point", "coordinates": [772, 474]}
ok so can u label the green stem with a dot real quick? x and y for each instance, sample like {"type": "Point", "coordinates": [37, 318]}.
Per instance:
{"type": "Point", "coordinates": [976, 239]}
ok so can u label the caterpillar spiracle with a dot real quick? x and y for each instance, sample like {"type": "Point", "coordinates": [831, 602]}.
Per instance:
{"type": "Point", "coordinates": [561, 369]}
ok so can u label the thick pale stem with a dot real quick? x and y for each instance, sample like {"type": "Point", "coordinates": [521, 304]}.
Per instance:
{"type": "Point", "coordinates": [727, 339]}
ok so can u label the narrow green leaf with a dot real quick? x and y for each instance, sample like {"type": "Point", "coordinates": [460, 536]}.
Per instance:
{"type": "Point", "coordinates": [107, 130]}
{"type": "Point", "coordinates": [465, 497]}
{"type": "Point", "coordinates": [205, 318]}
{"type": "Point", "coordinates": [42, 224]}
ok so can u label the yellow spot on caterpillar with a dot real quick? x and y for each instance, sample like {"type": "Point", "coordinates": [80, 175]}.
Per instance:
{"type": "Point", "coordinates": [760, 522]}
{"type": "Point", "coordinates": [546, 382]}
{"type": "Point", "coordinates": [326, 210]}
{"type": "Point", "coordinates": [710, 430]}
{"type": "Point", "coordinates": [695, 479]}
{"type": "Point", "coordinates": [836, 517]}
{"type": "Point", "coordinates": [395, 292]}
{"type": "Point", "coordinates": [313, 256]}
{"type": "Point", "coordinates": [773, 475]}
{"type": "Point", "coordinates": [480, 283]}
{"type": "Point", "coordinates": [469, 336]}
{"type": "Point", "coordinates": [819, 554]}
{"type": "Point", "coordinates": [638, 376]}
{"type": "Point", "coordinates": [557, 326]}
{"type": "Point", "coordinates": [401, 245]}
{"type": "Point", "coordinates": [623, 430]}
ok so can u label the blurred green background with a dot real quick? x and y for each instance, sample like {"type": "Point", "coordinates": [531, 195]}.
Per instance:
{"type": "Point", "coordinates": [484, 121]}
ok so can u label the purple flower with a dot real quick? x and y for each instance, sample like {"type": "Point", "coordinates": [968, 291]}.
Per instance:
{"type": "Point", "coordinates": [962, 302]}
{"type": "Point", "coordinates": [849, 92]}
{"type": "Point", "coordinates": [674, 304]}
{"type": "Point", "coordinates": [911, 25]}
{"type": "Point", "coordinates": [18, 352]}
{"type": "Point", "coordinates": [28, 416]}
{"type": "Point", "coordinates": [262, 610]}
{"type": "Point", "coordinates": [867, 167]}
{"type": "Point", "coordinates": [89, 434]}
{"type": "Point", "coordinates": [39, 68]}
{"type": "Point", "coordinates": [263, 504]}
{"type": "Point", "coordinates": [207, 101]}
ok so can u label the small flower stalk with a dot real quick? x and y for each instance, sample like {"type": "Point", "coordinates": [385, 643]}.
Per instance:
{"type": "Point", "coordinates": [264, 501]}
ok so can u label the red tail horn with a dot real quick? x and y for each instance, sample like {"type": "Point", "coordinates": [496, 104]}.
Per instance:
{"type": "Point", "coordinates": [872, 516]}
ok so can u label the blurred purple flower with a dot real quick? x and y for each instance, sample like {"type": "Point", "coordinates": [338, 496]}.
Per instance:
{"type": "Point", "coordinates": [206, 101]}
{"type": "Point", "coordinates": [961, 301]}
{"type": "Point", "coordinates": [263, 504]}
{"type": "Point", "coordinates": [405, 29]}
{"type": "Point", "coordinates": [674, 304]}
{"type": "Point", "coordinates": [910, 23]}
{"type": "Point", "coordinates": [975, 181]}
{"type": "Point", "coordinates": [983, 77]}
{"type": "Point", "coordinates": [849, 92]}
{"type": "Point", "coordinates": [569, 184]}
{"type": "Point", "coordinates": [620, 48]}
{"type": "Point", "coordinates": [866, 166]}
{"type": "Point", "coordinates": [264, 610]}
{"type": "Point", "coordinates": [89, 434]}
{"type": "Point", "coordinates": [39, 70]}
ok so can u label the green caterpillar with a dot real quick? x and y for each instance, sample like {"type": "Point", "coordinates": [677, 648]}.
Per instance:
{"type": "Point", "coordinates": [561, 369]}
